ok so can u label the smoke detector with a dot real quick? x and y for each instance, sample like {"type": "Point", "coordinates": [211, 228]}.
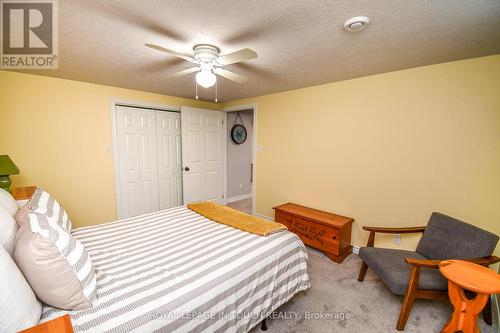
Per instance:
{"type": "Point", "coordinates": [357, 23]}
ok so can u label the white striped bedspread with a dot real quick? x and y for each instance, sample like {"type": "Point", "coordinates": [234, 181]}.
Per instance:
{"type": "Point", "coordinates": [177, 271]}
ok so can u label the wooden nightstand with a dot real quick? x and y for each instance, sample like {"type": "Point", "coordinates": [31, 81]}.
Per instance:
{"type": "Point", "coordinates": [59, 325]}
{"type": "Point", "coordinates": [23, 194]}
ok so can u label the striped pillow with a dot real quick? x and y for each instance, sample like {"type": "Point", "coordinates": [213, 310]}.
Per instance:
{"type": "Point", "coordinates": [56, 264]}
{"type": "Point", "coordinates": [43, 203]}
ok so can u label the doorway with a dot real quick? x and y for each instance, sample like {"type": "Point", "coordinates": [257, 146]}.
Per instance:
{"type": "Point", "coordinates": [240, 164]}
{"type": "Point", "coordinates": [166, 156]}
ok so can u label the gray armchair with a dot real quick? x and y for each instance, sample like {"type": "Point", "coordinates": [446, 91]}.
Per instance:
{"type": "Point", "coordinates": [415, 274]}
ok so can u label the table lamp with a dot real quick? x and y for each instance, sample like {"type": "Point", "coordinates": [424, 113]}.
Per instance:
{"type": "Point", "coordinates": [7, 168]}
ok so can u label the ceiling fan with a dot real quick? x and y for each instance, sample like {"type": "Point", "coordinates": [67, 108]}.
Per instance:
{"type": "Point", "coordinates": [209, 63]}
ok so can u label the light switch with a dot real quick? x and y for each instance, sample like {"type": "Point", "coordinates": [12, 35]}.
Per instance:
{"type": "Point", "coordinates": [108, 148]}
{"type": "Point", "coordinates": [259, 148]}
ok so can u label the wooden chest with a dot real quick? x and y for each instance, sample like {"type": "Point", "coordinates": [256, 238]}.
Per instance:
{"type": "Point", "coordinates": [330, 233]}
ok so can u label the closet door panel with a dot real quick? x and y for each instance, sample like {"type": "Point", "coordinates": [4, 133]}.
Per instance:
{"type": "Point", "coordinates": [128, 161]}
{"type": "Point", "coordinates": [178, 163]}
{"type": "Point", "coordinates": [137, 161]}
{"type": "Point", "coordinates": [169, 165]}
{"type": "Point", "coordinates": [148, 164]}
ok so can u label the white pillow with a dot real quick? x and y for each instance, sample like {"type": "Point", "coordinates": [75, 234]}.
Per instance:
{"type": "Point", "coordinates": [8, 202]}
{"type": "Point", "coordinates": [8, 229]}
{"type": "Point", "coordinates": [19, 308]}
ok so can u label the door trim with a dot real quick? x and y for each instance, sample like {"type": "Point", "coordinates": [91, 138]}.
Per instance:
{"type": "Point", "coordinates": [252, 106]}
{"type": "Point", "coordinates": [114, 152]}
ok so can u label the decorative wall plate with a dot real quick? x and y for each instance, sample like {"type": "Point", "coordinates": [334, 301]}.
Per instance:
{"type": "Point", "coordinates": [238, 134]}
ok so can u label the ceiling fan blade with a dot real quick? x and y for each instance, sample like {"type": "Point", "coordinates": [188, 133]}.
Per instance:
{"type": "Point", "coordinates": [238, 56]}
{"type": "Point", "coordinates": [230, 75]}
{"type": "Point", "coordinates": [186, 71]}
{"type": "Point", "coordinates": [173, 53]}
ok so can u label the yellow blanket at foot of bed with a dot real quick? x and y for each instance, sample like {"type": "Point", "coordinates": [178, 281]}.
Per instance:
{"type": "Point", "coordinates": [236, 219]}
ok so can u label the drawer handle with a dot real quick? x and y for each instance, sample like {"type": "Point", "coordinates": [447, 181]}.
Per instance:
{"type": "Point", "coordinates": [334, 237]}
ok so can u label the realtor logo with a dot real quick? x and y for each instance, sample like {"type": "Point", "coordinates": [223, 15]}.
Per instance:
{"type": "Point", "coordinates": [29, 33]}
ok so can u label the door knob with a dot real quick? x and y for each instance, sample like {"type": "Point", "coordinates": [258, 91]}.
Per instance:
{"type": "Point", "coordinates": [186, 169]}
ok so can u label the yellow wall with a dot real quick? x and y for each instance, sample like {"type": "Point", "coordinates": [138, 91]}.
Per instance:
{"type": "Point", "coordinates": [387, 149]}
{"type": "Point", "coordinates": [56, 130]}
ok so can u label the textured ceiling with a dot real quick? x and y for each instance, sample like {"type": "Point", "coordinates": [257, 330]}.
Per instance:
{"type": "Point", "coordinates": [300, 43]}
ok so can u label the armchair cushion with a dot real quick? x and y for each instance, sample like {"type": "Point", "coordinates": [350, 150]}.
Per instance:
{"type": "Point", "coordinates": [390, 266]}
{"type": "Point", "coordinates": [448, 238]}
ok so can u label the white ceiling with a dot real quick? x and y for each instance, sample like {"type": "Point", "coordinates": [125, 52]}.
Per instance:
{"type": "Point", "coordinates": [300, 43]}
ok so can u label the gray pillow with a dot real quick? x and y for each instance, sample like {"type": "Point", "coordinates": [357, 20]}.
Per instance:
{"type": "Point", "coordinates": [56, 264]}
{"type": "Point", "coordinates": [43, 203]}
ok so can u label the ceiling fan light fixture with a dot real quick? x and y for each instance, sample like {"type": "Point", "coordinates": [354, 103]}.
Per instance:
{"type": "Point", "coordinates": [206, 78]}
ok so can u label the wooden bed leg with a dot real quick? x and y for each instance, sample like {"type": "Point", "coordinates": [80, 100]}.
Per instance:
{"type": "Point", "coordinates": [263, 325]}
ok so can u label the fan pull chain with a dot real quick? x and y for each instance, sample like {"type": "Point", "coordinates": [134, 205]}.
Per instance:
{"type": "Point", "coordinates": [196, 88]}
{"type": "Point", "coordinates": [216, 99]}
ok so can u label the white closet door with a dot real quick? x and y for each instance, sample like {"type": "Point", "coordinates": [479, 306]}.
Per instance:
{"type": "Point", "coordinates": [168, 129]}
{"type": "Point", "coordinates": [202, 155]}
{"type": "Point", "coordinates": [137, 161]}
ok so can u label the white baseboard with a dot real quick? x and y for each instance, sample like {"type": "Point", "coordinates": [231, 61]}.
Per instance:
{"type": "Point", "coordinates": [264, 217]}
{"type": "Point", "coordinates": [240, 197]}
{"type": "Point", "coordinates": [355, 249]}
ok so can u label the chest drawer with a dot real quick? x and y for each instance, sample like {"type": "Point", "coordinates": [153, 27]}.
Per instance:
{"type": "Point", "coordinates": [281, 217]}
{"type": "Point", "coordinates": [313, 234]}
{"type": "Point", "coordinates": [316, 235]}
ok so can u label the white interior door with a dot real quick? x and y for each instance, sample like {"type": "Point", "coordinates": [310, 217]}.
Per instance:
{"type": "Point", "coordinates": [202, 158]}
{"type": "Point", "coordinates": [168, 129]}
{"type": "Point", "coordinates": [137, 161]}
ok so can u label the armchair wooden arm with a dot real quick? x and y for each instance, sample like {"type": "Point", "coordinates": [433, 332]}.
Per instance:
{"type": "Point", "coordinates": [423, 263]}
{"type": "Point", "coordinates": [395, 230]}
{"type": "Point", "coordinates": [434, 264]}
{"type": "Point", "coordinates": [385, 230]}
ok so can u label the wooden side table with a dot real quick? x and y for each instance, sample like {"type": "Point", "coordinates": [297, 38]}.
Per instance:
{"type": "Point", "coordinates": [23, 193]}
{"type": "Point", "coordinates": [59, 325]}
{"type": "Point", "coordinates": [466, 275]}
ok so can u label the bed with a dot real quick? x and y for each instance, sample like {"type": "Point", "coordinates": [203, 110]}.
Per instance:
{"type": "Point", "coordinates": [177, 271]}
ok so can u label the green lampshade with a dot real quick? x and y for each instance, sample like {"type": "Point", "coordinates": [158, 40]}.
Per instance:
{"type": "Point", "coordinates": [7, 167]}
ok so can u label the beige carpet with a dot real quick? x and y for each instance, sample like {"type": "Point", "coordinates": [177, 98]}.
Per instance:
{"type": "Point", "coordinates": [369, 305]}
